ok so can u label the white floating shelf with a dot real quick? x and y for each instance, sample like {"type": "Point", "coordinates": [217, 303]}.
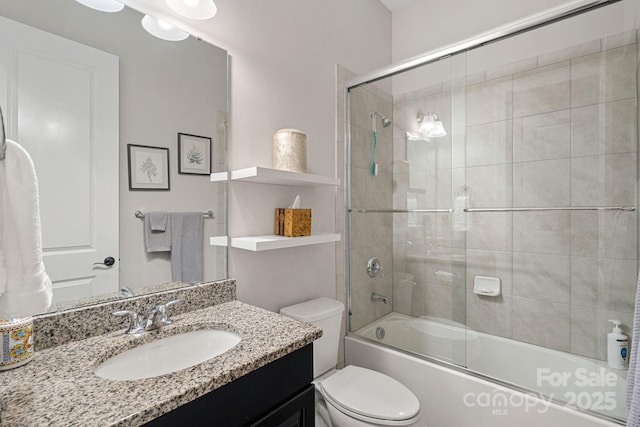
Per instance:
{"type": "Point", "coordinates": [269, 242]}
{"type": "Point", "coordinates": [219, 241]}
{"type": "Point", "coordinates": [279, 177]}
{"type": "Point", "coordinates": [219, 176]}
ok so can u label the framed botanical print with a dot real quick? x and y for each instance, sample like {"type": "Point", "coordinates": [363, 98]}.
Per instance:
{"type": "Point", "coordinates": [148, 168]}
{"type": "Point", "coordinates": [194, 154]}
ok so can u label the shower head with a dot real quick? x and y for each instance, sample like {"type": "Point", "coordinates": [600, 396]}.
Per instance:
{"type": "Point", "coordinates": [384, 119]}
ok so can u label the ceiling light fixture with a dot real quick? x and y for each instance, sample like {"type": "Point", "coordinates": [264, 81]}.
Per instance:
{"type": "Point", "coordinates": [430, 126]}
{"type": "Point", "coordinates": [163, 30]}
{"type": "Point", "coordinates": [194, 9]}
{"type": "Point", "coordinates": [103, 5]}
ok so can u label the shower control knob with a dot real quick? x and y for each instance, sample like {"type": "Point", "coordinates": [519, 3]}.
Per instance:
{"type": "Point", "coordinates": [108, 261]}
{"type": "Point", "coordinates": [374, 267]}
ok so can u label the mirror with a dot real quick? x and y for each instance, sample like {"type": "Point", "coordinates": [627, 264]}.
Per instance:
{"type": "Point", "coordinates": [78, 75]}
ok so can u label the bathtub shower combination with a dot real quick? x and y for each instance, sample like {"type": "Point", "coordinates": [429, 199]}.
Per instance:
{"type": "Point", "coordinates": [491, 205]}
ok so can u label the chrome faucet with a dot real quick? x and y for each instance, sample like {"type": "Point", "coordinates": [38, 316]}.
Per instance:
{"type": "Point", "coordinates": [375, 297]}
{"type": "Point", "coordinates": [156, 319]}
{"type": "Point", "coordinates": [159, 316]}
{"type": "Point", "coordinates": [137, 322]}
{"type": "Point", "coordinates": [127, 292]}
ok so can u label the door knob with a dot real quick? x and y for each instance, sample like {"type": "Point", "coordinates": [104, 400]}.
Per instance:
{"type": "Point", "coordinates": [108, 261]}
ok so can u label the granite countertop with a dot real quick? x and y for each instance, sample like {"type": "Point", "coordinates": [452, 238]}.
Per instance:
{"type": "Point", "coordinates": [58, 387]}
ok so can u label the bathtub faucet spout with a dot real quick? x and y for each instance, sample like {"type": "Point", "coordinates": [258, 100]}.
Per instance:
{"type": "Point", "coordinates": [377, 297]}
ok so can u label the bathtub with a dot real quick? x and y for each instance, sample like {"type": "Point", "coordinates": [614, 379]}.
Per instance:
{"type": "Point", "coordinates": [535, 386]}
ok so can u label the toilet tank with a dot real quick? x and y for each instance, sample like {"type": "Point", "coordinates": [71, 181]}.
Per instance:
{"type": "Point", "coordinates": [325, 313]}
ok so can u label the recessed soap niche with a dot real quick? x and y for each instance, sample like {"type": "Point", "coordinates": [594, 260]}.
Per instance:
{"type": "Point", "coordinates": [487, 286]}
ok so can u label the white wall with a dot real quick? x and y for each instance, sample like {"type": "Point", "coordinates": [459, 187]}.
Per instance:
{"type": "Point", "coordinates": [283, 56]}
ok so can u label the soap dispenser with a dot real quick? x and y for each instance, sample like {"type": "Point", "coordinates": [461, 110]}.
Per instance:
{"type": "Point", "coordinates": [617, 347]}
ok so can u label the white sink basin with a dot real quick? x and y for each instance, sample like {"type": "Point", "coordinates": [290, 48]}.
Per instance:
{"type": "Point", "coordinates": [167, 355]}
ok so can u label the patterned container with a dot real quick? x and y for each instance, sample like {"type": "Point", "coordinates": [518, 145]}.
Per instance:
{"type": "Point", "coordinates": [16, 342]}
{"type": "Point", "coordinates": [290, 150]}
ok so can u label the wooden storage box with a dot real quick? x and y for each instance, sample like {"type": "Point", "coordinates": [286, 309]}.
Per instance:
{"type": "Point", "coordinates": [292, 222]}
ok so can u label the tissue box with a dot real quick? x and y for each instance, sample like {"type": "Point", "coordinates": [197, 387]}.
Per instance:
{"type": "Point", "coordinates": [16, 342]}
{"type": "Point", "coordinates": [292, 222]}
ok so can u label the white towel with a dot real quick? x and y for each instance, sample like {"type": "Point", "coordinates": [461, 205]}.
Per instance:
{"type": "Point", "coordinates": [25, 287]}
{"type": "Point", "coordinates": [633, 379]}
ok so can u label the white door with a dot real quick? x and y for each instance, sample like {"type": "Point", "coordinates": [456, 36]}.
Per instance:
{"type": "Point", "coordinates": [61, 104]}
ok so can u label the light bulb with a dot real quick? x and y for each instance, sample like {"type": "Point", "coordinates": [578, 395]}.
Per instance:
{"type": "Point", "coordinates": [103, 5]}
{"type": "Point", "coordinates": [162, 30]}
{"type": "Point", "coordinates": [164, 25]}
{"type": "Point", "coordinates": [193, 9]}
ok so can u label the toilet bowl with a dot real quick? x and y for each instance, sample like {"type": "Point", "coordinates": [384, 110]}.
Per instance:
{"type": "Point", "coordinates": [353, 396]}
{"type": "Point", "coordinates": [358, 397]}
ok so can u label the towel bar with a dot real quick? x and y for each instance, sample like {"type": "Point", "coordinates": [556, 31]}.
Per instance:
{"type": "Point", "coordinates": [207, 214]}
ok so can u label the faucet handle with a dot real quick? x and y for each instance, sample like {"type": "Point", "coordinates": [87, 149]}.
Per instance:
{"type": "Point", "coordinates": [161, 311]}
{"type": "Point", "coordinates": [137, 323]}
{"type": "Point", "coordinates": [172, 302]}
{"type": "Point", "coordinates": [166, 320]}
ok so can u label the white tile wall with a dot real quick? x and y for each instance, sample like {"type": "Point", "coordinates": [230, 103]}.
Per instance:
{"type": "Point", "coordinates": [371, 234]}
{"type": "Point", "coordinates": [542, 136]}
{"type": "Point", "coordinates": [605, 76]}
{"type": "Point", "coordinates": [489, 101]}
{"type": "Point", "coordinates": [542, 232]}
{"type": "Point", "coordinates": [543, 323]}
{"type": "Point", "coordinates": [607, 128]}
{"type": "Point", "coordinates": [542, 90]}
{"type": "Point", "coordinates": [604, 180]}
{"type": "Point", "coordinates": [544, 183]}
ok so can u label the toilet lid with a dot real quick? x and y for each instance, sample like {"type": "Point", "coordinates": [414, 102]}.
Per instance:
{"type": "Point", "coordinates": [371, 394]}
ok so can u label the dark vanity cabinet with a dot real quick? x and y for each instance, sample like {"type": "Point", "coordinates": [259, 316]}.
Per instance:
{"type": "Point", "coordinates": [279, 394]}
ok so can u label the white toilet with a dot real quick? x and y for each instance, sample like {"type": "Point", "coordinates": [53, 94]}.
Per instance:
{"type": "Point", "coordinates": [353, 396]}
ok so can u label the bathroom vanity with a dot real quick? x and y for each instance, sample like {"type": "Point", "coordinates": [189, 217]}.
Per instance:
{"type": "Point", "coordinates": [265, 380]}
{"type": "Point", "coordinates": [278, 394]}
